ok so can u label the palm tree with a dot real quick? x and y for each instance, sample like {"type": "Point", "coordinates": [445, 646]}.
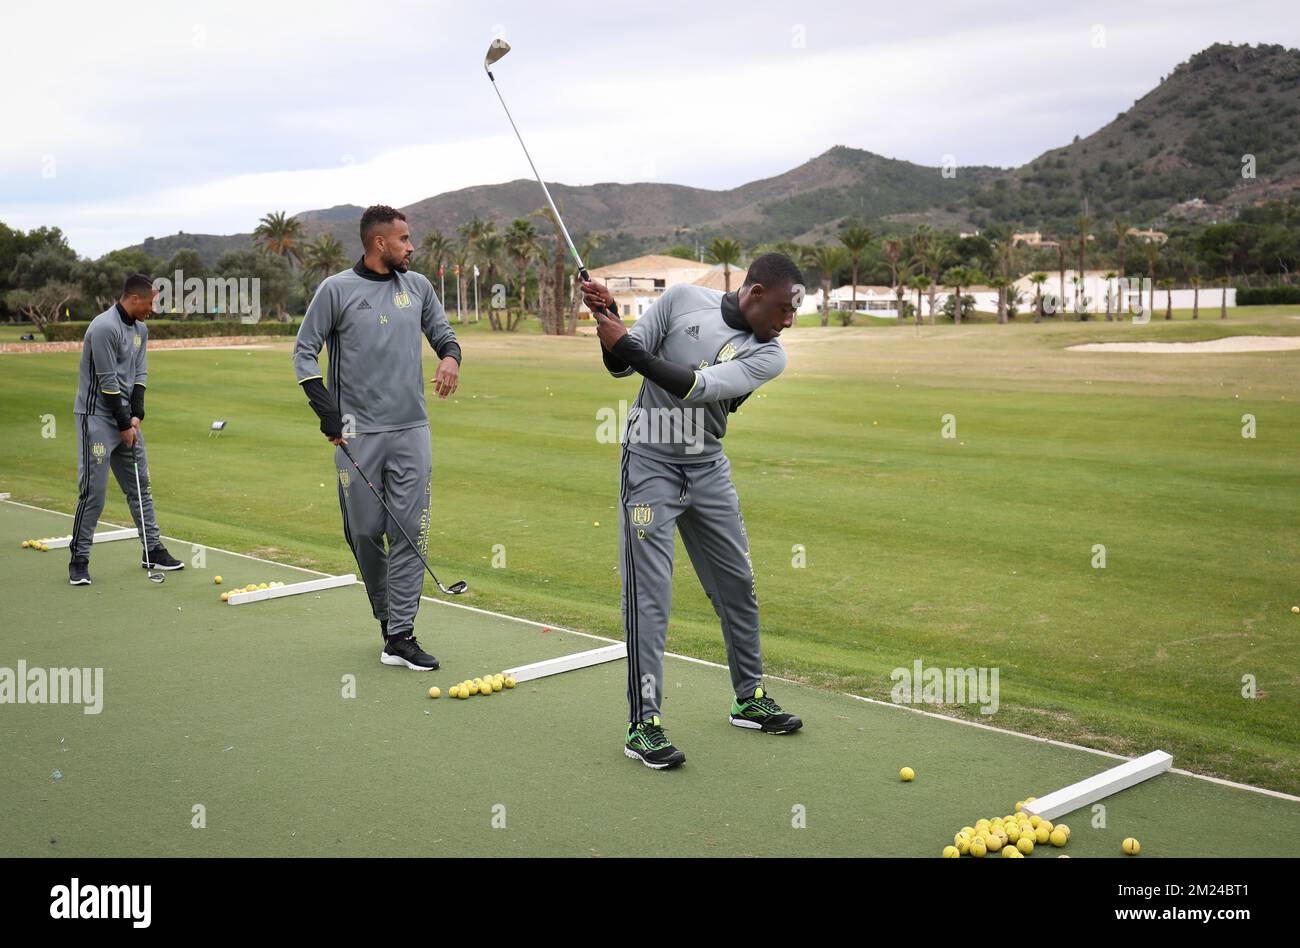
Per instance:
{"type": "Point", "coordinates": [1003, 251]}
{"type": "Point", "coordinates": [488, 248]}
{"type": "Point", "coordinates": [727, 252]}
{"type": "Point", "coordinates": [280, 235]}
{"type": "Point", "coordinates": [856, 240]}
{"type": "Point", "coordinates": [1082, 222]}
{"type": "Point", "coordinates": [434, 251]}
{"type": "Point", "coordinates": [1222, 283]}
{"type": "Point", "coordinates": [1038, 279]}
{"type": "Point", "coordinates": [1167, 284]}
{"type": "Point", "coordinates": [1110, 275]}
{"type": "Point", "coordinates": [920, 283]}
{"type": "Point", "coordinates": [522, 245]}
{"type": "Point", "coordinates": [957, 277]}
{"type": "Point", "coordinates": [325, 255]}
{"type": "Point", "coordinates": [1151, 250]}
{"type": "Point", "coordinates": [893, 250]}
{"type": "Point", "coordinates": [827, 261]}
{"type": "Point", "coordinates": [1195, 280]}
{"type": "Point", "coordinates": [938, 251]}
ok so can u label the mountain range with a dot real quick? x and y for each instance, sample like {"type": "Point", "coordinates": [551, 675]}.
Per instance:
{"type": "Point", "coordinates": [1221, 131]}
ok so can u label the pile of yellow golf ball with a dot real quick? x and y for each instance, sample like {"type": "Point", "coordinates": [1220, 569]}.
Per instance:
{"type": "Point", "coordinates": [1014, 836]}
{"type": "Point", "coordinates": [486, 685]}
{"type": "Point", "coordinates": [42, 544]}
{"type": "Point", "coordinates": [251, 587]}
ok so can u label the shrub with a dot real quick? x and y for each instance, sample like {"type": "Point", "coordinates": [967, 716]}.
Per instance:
{"type": "Point", "coordinates": [172, 329]}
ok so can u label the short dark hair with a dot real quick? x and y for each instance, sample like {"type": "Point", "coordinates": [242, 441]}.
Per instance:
{"type": "Point", "coordinates": [137, 283]}
{"type": "Point", "coordinates": [773, 269]}
{"type": "Point", "coordinates": [378, 214]}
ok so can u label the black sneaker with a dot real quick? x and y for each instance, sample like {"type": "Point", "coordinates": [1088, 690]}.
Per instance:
{"type": "Point", "coordinates": [646, 742]}
{"type": "Point", "coordinates": [761, 713]}
{"type": "Point", "coordinates": [79, 573]}
{"type": "Point", "coordinates": [159, 558]}
{"type": "Point", "coordinates": [404, 650]}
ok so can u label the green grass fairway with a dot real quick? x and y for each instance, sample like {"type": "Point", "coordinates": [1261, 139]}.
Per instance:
{"type": "Point", "coordinates": [239, 710]}
{"type": "Point", "coordinates": [970, 551]}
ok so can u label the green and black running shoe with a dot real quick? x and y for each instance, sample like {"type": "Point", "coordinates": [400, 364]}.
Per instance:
{"type": "Point", "coordinates": [646, 742]}
{"type": "Point", "coordinates": [761, 713]}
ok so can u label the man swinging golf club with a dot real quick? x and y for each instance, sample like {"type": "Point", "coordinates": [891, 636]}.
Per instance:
{"type": "Point", "coordinates": [370, 319]}
{"type": "Point", "coordinates": [701, 353]}
{"type": "Point", "coordinates": [109, 409]}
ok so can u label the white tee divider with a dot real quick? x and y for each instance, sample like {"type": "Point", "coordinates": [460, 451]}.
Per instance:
{"type": "Point", "coordinates": [106, 536]}
{"type": "Point", "coordinates": [1094, 788]}
{"type": "Point", "coordinates": [567, 663]}
{"type": "Point", "coordinates": [292, 589]}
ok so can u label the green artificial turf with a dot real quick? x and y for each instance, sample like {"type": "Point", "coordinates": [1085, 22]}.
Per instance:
{"type": "Point", "coordinates": [970, 551]}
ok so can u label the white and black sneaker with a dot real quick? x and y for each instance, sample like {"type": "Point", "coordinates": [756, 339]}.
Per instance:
{"type": "Point", "coordinates": [79, 573]}
{"type": "Point", "coordinates": [159, 558]}
{"type": "Point", "coordinates": [404, 650]}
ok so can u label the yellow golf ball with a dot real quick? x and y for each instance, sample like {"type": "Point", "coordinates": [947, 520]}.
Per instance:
{"type": "Point", "coordinates": [26, 544]}
{"type": "Point", "coordinates": [216, 580]}
{"type": "Point", "coordinates": [992, 843]}
{"type": "Point", "coordinates": [1295, 608]}
{"type": "Point", "coordinates": [434, 692]}
{"type": "Point", "coordinates": [1064, 829]}
{"type": "Point", "coordinates": [950, 852]}
{"type": "Point", "coordinates": [1013, 834]}
{"type": "Point", "coordinates": [1009, 853]}
{"type": "Point", "coordinates": [1131, 847]}
{"type": "Point", "coordinates": [962, 844]}
{"type": "Point", "coordinates": [471, 688]}
{"type": "Point", "coordinates": [225, 597]}
{"type": "Point", "coordinates": [510, 681]}
{"type": "Point", "coordinates": [1057, 838]}
{"type": "Point", "coordinates": [263, 586]}
{"type": "Point", "coordinates": [1041, 834]}
{"type": "Point", "coordinates": [907, 774]}
{"type": "Point", "coordinates": [977, 848]}
{"type": "Point", "coordinates": [1025, 845]}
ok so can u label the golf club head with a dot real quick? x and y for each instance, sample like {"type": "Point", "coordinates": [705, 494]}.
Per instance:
{"type": "Point", "coordinates": [458, 587]}
{"type": "Point", "coordinates": [157, 577]}
{"type": "Point", "coordinates": [498, 49]}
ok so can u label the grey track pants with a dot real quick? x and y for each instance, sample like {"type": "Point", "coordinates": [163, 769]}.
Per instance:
{"type": "Point", "coordinates": [699, 501]}
{"type": "Point", "coordinates": [400, 464]}
{"type": "Point", "coordinates": [99, 449]}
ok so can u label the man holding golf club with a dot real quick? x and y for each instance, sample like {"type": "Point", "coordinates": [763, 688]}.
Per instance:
{"type": "Point", "coordinates": [370, 319]}
{"type": "Point", "coordinates": [700, 353]}
{"type": "Point", "coordinates": [109, 409]}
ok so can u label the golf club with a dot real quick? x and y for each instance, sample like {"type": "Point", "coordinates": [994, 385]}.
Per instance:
{"type": "Point", "coordinates": [154, 577]}
{"type": "Point", "coordinates": [497, 50]}
{"type": "Point", "coordinates": [456, 588]}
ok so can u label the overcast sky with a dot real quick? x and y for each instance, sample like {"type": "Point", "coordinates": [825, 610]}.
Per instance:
{"type": "Point", "coordinates": [124, 121]}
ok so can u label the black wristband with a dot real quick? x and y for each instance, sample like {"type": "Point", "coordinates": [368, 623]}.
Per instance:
{"type": "Point", "coordinates": [672, 378]}
{"type": "Point", "coordinates": [331, 424]}
{"type": "Point", "coordinates": [117, 405]}
{"type": "Point", "coordinates": [450, 348]}
{"type": "Point", "coordinates": [615, 365]}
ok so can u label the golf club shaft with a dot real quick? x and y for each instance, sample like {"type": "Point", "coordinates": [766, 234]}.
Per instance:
{"type": "Point", "coordinates": [406, 536]}
{"type": "Point", "coordinates": [139, 499]}
{"type": "Point", "coordinates": [582, 269]}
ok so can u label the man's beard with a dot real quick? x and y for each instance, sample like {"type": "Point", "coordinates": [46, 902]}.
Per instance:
{"type": "Point", "coordinates": [396, 263]}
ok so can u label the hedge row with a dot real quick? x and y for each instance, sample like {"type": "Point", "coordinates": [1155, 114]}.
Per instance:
{"type": "Point", "coordinates": [174, 329]}
{"type": "Point", "coordinates": [1268, 295]}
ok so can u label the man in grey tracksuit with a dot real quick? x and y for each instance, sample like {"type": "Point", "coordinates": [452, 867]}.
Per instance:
{"type": "Point", "coordinates": [701, 354]}
{"type": "Point", "coordinates": [370, 319]}
{"type": "Point", "coordinates": [109, 408]}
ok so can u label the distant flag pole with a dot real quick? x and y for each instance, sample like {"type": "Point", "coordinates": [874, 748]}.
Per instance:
{"type": "Point", "coordinates": [476, 292]}
{"type": "Point", "coordinates": [442, 284]}
{"type": "Point", "coordinates": [460, 316]}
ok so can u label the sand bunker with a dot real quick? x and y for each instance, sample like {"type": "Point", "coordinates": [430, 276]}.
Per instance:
{"type": "Point", "coordinates": [1227, 344]}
